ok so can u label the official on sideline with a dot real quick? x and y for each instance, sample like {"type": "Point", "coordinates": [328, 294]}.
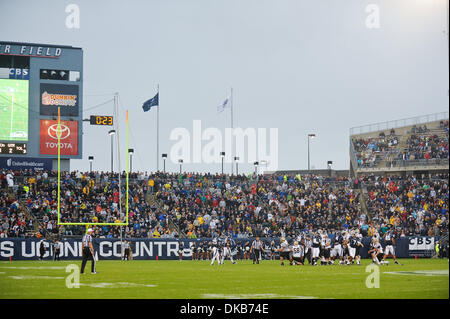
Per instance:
{"type": "Point", "coordinates": [88, 251]}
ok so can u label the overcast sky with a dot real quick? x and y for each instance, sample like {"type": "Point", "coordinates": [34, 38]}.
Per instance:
{"type": "Point", "coordinates": [302, 66]}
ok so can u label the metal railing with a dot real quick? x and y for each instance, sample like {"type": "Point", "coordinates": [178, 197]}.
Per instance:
{"type": "Point", "coordinates": [381, 126]}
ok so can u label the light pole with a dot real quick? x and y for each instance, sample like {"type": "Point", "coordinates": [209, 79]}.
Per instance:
{"type": "Point", "coordinates": [329, 163]}
{"type": "Point", "coordinates": [222, 154]}
{"type": "Point", "coordinates": [181, 163]}
{"type": "Point", "coordinates": [256, 167]}
{"type": "Point", "coordinates": [310, 136]}
{"type": "Point", "coordinates": [236, 159]}
{"type": "Point", "coordinates": [164, 156]}
{"type": "Point", "coordinates": [131, 152]}
{"type": "Point", "coordinates": [111, 133]}
{"type": "Point", "coordinates": [91, 159]}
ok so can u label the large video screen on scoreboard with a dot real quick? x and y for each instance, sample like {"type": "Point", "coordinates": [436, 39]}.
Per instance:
{"type": "Point", "coordinates": [13, 110]}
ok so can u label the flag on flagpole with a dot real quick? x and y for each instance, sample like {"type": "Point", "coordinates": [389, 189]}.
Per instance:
{"type": "Point", "coordinates": [224, 105]}
{"type": "Point", "coordinates": [154, 101]}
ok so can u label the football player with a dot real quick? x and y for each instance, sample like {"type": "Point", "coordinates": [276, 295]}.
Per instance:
{"type": "Point", "coordinates": [375, 250]}
{"type": "Point", "coordinates": [315, 249]}
{"type": "Point", "coordinates": [389, 249]}
{"type": "Point", "coordinates": [284, 250]}
{"type": "Point", "coordinates": [337, 251]}
{"type": "Point", "coordinates": [298, 253]}
{"type": "Point", "coordinates": [215, 251]}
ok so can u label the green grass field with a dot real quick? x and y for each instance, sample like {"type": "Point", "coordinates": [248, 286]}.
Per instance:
{"type": "Point", "coordinates": [423, 278]}
{"type": "Point", "coordinates": [13, 110]}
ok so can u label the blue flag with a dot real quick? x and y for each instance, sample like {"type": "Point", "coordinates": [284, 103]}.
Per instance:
{"type": "Point", "coordinates": [152, 102]}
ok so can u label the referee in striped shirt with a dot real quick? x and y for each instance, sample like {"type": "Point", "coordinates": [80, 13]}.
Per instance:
{"type": "Point", "coordinates": [256, 248]}
{"type": "Point", "coordinates": [88, 251]}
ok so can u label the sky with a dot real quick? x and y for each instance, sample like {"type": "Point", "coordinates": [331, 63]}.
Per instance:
{"type": "Point", "coordinates": [300, 66]}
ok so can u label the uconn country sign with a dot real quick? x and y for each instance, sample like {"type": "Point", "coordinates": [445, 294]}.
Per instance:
{"type": "Point", "coordinates": [147, 249]}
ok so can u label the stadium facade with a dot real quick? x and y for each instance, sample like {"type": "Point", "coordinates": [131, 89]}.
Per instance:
{"type": "Point", "coordinates": [36, 79]}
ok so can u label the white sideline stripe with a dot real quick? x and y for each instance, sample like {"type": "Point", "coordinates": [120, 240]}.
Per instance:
{"type": "Point", "coordinates": [116, 285]}
{"type": "Point", "coordinates": [40, 267]}
{"type": "Point", "coordinates": [34, 277]}
{"type": "Point", "coordinates": [254, 296]}
{"type": "Point", "coordinates": [419, 272]}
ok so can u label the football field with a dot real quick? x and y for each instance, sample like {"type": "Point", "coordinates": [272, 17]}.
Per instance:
{"type": "Point", "coordinates": [172, 279]}
{"type": "Point", "coordinates": [13, 110]}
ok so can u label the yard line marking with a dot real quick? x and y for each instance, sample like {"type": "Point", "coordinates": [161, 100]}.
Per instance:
{"type": "Point", "coordinates": [254, 296]}
{"type": "Point", "coordinates": [419, 272]}
{"type": "Point", "coordinates": [34, 277]}
{"type": "Point", "coordinates": [116, 285]}
{"type": "Point", "coordinates": [26, 268]}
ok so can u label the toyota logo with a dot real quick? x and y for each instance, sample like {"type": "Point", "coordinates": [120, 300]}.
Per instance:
{"type": "Point", "coordinates": [63, 133]}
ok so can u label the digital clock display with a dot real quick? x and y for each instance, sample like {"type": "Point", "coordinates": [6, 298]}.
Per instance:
{"type": "Point", "coordinates": [101, 120]}
{"type": "Point", "coordinates": [13, 148]}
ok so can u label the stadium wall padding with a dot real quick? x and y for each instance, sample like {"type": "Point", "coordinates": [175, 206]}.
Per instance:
{"type": "Point", "coordinates": [148, 249]}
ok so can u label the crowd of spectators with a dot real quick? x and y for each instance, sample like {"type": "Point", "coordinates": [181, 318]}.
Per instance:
{"type": "Point", "coordinates": [369, 150]}
{"type": "Point", "coordinates": [197, 205]}
{"type": "Point", "coordinates": [422, 146]}
{"type": "Point", "coordinates": [410, 205]}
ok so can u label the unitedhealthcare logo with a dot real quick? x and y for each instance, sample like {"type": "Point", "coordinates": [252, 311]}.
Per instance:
{"type": "Point", "coordinates": [8, 162]}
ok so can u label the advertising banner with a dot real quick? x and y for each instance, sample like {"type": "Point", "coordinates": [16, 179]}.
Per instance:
{"type": "Point", "coordinates": [59, 95]}
{"type": "Point", "coordinates": [21, 163]}
{"type": "Point", "coordinates": [48, 144]}
{"type": "Point", "coordinates": [143, 249]}
{"type": "Point", "coordinates": [421, 246]}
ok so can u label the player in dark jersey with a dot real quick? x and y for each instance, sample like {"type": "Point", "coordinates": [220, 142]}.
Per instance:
{"type": "Point", "coordinates": [389, 250]}
{"type": "Point", "coordinates": [337, 250]}
{"type": "Point", "coordinates": [315, 248]}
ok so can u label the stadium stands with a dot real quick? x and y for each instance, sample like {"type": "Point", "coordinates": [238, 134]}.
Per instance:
{"type": "Point", "coordinates": [204, 205]}
{"type": "Point", "coordinates": [406, 148]}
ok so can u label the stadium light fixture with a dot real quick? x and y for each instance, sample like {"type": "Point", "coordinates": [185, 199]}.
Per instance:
{"type": "Point", "coordinates": [164, 156]}
{"type": "Point", "coordinates": [131, 152]}
{"type": "Point", "coordinates": [91, 159]}
{"type": "Point", "coordinates": [222, 154]}
{"type": "Point", "coordinates": [236, 159]}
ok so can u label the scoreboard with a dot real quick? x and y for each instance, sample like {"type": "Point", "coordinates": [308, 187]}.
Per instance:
{"type": "Point", "coordinates": [101, 120]}
{"type": "Point", "coordinates": [13, 148]}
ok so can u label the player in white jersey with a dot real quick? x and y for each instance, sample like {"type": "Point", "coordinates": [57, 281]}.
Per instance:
{"type": "Point", "coordinates": [284, 251]}
{"type": "Point", "coordinates": [298, 253]}
{"type": "Point", "coordinates": [215, 252]}
{"type": "Point", "coordinates": [227, 252]}
{"type": "Point", "coordinates": [389, 249]}
{"type": "Point", "coordinates": [375, 250]}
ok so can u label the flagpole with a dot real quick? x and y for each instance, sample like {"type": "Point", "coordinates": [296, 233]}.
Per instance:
{"type": "Point", "coordinates": [232, 149]}
{"type": "Point", "coordinates": [157, 134]}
